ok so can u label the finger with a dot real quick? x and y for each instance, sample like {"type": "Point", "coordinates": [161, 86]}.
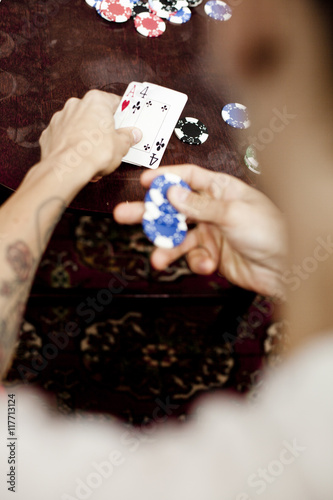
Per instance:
{"type": "Point", "coordinates": [198, 206]}
{"type": "Point", "coordinates": [129, 213]}
{"type": "Point", "coordinates": [206, 237]}
{"type": "Point", "coordinates": [126, 138]}
{"type": "Point", "coordinates": [200, 261]}
{"type": "Point", "coordinates": [161, 258]}
{"type": "Point", "coordinates": [217, 185]}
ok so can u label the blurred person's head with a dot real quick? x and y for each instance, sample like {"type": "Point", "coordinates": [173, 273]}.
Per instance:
{"type": "Point", "coordinates": [280, 57]}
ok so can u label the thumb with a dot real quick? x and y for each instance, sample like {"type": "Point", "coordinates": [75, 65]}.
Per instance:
{"type": "Point", "coordinates": [128, 136]}
{"type": "Point", "coordinates": [197, 206]}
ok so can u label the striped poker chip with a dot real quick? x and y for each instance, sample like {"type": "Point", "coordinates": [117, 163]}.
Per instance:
{"type": "Point", "coordinates": [97, 6]}
{"type": "Point", "coordinates": [149, 24]}
{"type": "Point", "coordinates": [139, 7]}
{"type": "Point", "coordinates": [162, 224]}
{"type": "Point", "coordinates": [218, 10]}
{"type": "Point", "coordinates": [157, 193]}
{"type": "Point", "coordinates": [181, 16]}
{"type": "Point", "coordinates": [118, 11]}
{"type": "Point", "coordinates": [251, 161]}
{"type": "Point", "coordinates": [164, 236]}
{"type": "Point", "coordinates": [163, 8]}
{"type": "Point", "coordinates": [191, 130]}
{"type": "Point", "coordinates": [91, 3]}
{"type": "Point", "coordinates": [236, 115]}
{"type": "Point", "coordinates": [193, 3]}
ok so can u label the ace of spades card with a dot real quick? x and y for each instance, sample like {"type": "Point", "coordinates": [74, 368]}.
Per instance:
{"type": "Point", "coordinates": [155, 110]}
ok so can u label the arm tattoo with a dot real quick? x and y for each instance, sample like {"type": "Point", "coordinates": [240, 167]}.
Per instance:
{"type": "Point", "coordinates": [14, 292]}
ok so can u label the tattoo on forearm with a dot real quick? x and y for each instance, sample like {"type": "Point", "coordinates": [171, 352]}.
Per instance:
{"type": "Point", "coordinates": [22, 262]}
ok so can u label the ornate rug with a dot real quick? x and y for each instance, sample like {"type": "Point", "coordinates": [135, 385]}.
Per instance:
{"type": "Point", "coordinates": [105, 332]}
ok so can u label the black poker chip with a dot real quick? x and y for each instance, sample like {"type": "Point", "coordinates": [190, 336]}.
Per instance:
{"type": "Point", "coordinates": [191, 130]}
{"type": "Point", "coordinates": [140, 7]}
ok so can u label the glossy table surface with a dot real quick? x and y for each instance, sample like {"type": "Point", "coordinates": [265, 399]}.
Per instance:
{"type": "Point", "coordinates": [51, 51]}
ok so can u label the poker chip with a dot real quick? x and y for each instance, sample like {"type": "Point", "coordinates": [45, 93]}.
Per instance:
{"type": "Point", "coordinates": [218, 10]}
{"type": "Point", "coordinates": [140, 7]}
{"type": "Point", "coordinates": [191, 130]}
{"type": "Point", "coordinates": [149, 24]}
{"type": "Point", "coordinates": [163, 8]}
{"type": "Point", "coordinates": [236, 115]}
{"type": "Point", "coordinates": [91, 3]}
{"type": "Point", "coordinates": [251, 161]}
{"type": "Point", "coordinates": [193, 3]}
{"type": "Point", "coordinates": [118, 11]}
{"type": "Point", "coordinates": [181, 16]}
{"type": "Point", "coordinates": [162, 224]}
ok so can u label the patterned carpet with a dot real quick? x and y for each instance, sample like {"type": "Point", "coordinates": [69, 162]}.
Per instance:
{"type": "Point", "coordinates": [105, 332]}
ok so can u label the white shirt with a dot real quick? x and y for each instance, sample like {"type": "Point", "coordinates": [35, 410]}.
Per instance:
{"type": "Point", "coordinates": [279, 448]}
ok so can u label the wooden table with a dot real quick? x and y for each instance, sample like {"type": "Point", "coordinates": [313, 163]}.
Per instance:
{"type": "Point", "coordinates": [58, 49]}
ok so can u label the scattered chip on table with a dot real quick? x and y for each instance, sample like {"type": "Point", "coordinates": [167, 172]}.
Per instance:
{"type": "Point", "coordinates": [191, 130]}
{"type": "Point", "coordinates": [236, 115]}
{"type": "Point", "coordinates": [251, 161]}
{"type": "Point", "coordinates": [218, 10]}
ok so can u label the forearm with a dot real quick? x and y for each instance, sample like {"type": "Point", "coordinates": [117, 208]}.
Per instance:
{"type": "Point", "coordinates": [27, 220]}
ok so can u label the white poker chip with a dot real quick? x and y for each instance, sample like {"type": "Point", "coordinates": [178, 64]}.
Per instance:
{"type": "Point", "coordinates": [118, 11]}
{"type": "Point", "coordinates": [181, 16]}
{"type": "Point", "coordinates": [91, 3]}
{"type": "Point", "coordinates": [218, 10]}
{"type": "Point", "coordinates": [149, 24]}
{"type": "Point", "coordinates": [236, 115]}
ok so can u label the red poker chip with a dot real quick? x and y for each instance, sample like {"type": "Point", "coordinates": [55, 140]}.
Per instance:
{"type": "Point", "coordinates": [149, 24]}
{"type": "Point", "coordinates": [117, 11]}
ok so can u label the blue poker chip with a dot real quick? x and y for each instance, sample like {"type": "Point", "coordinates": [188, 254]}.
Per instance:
{"type": "Point", "coordinates": [181, 16]}
{"type": "Point", "coordinates": [162, 223]}
{"type": "Point", "coordinates": [218, 10]}
{"type": "Point", "coordinates": [164, 236]}
{"type": "Point", "coordinates": [236, 115]}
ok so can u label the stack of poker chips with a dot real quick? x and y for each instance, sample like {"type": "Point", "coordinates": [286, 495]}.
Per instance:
{"type": "Point", "coordinates": [162, 223]}
{"type": "Point", "coordinates": [149, 15]}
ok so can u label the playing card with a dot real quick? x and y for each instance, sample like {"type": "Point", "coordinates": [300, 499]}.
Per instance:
{"type": "Point", "coordinates": [124, 111]}
{"type": "Point", "coordinates": [155, 110]}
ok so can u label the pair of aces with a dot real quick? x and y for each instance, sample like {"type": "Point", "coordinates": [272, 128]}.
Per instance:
{"type": "Point", "coordinates": [155, 110]}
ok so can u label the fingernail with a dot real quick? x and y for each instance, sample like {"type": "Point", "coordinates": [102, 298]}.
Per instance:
{"type": "Point", "coordinates": [137, 134]}
{"type": "Point", "coordinates": [180, 194]}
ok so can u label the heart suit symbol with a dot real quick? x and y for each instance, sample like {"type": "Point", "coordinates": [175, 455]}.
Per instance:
{"type": "Point", "coordinates": [124, 105]}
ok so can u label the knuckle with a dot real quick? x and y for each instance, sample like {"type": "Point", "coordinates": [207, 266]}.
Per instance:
{"type": "Point", "coordinates": [92, 95]}
{"type": "Point", "coordinates": [70, 102]}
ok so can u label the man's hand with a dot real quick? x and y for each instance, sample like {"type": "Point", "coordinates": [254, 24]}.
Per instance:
{"type": "Point", "coordinates": [239, 231]}
{"type": "Point", "coordinates": [82, 136]}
